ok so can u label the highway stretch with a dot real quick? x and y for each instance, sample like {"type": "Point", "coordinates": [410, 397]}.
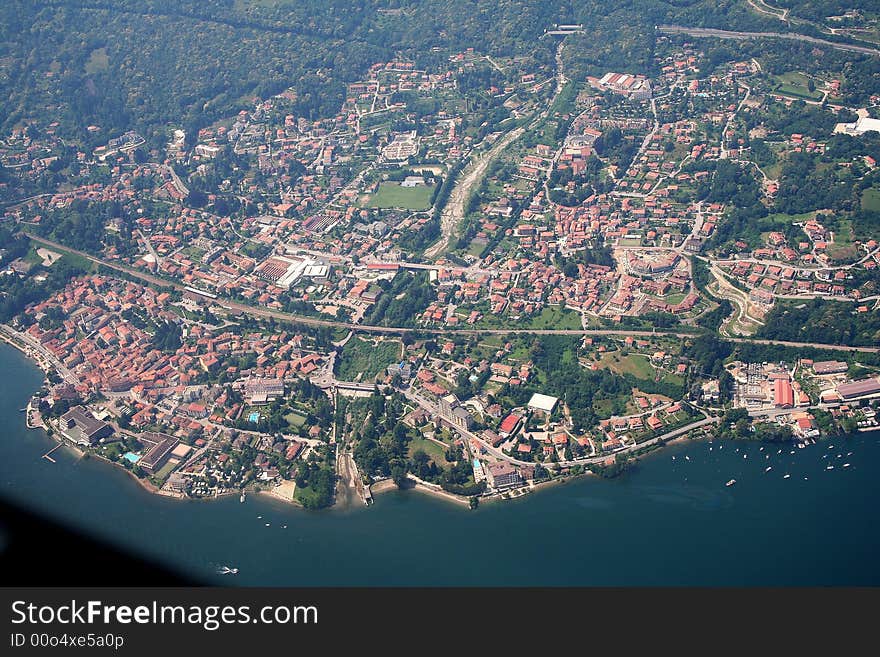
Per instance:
{"type": "Point", "coordinates": [727, 34]}
{"type": "Point", "coordinates": [256, 311]}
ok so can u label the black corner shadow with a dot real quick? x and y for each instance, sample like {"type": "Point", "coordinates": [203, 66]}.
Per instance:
{"type": "Point", "coordinates": [38, 551]}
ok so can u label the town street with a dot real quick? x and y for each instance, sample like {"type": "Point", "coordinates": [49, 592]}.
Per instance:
{"type": "Point", "coordinates": [397, 330]}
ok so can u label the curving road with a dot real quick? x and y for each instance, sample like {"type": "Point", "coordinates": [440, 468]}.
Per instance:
{"type": "Point", "coordinates": [727, 34]}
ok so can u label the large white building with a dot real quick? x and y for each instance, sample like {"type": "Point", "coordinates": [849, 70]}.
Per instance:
{"type": "Point", "coordinates": [860, 127]}
{"type": "Point", "coordinates": [544, 403]}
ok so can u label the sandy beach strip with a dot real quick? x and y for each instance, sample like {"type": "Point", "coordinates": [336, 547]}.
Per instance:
{"type": "Point", "coordinates": [387, 484]}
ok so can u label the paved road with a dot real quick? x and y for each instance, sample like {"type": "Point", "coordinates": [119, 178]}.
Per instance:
{"type": "Point", "coordinates": [433, 409]}
{"type": "Point", "coordinates": [178, 183]}
{"type": "Point", "coordinates": [726, 34]}
{"type": "Point", "coordinates": [149, 245]}
{"type": "Point", "coordinates": [397, 330]}
{"type": "Point", "coordinates": [29, 340]}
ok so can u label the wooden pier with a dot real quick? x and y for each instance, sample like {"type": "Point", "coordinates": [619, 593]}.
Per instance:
{"type": "Point", "coordinates": [48, 456]}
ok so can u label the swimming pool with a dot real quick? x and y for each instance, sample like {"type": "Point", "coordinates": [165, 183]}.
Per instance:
{"type": "Point", "coordinates": [254, 417]}
{"type": "Point", "coordinates": [129, 456]}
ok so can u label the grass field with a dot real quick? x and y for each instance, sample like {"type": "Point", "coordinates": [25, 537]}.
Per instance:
{"type": "Point", "coordinates": [432, 449]}
{"type": "Point", "coordinates": [785, 219]}
{"type": "Point", "coordinates": [306, 496]}
{"type": "Point", "coordinates": [871, 199]}
{"type": "Point", "coordinates": [673, 379]}
{"type": "Point", "coordinates": [635, 364]}
{"type": "Point", "coordinates": [795, 84]}
{"type": "Point", "coordinates": [475, 248]}
{"type": "Point", "coordinates": [31, 256]}
{"type": "Point", "coordinates": [295, 420]}
{"type": "Point", "coordinates": [98, 61]}
{"type": "Point", "coordinates": [843, 249]}
{"type": "Point", "coordinates": [556, 317]}
{"type": "Point", "coordinates": [607, 407]}
{"type": "Point", "coordinates": [79, 261]}
{"type": "Point", "coordinates": [551, 317]}
{"type": "Point", "coordinates": [392, 195]}
{"type": "Point", "coordinates": [363, 357]}
{"type": "Point", "coordinates": [165, 470]}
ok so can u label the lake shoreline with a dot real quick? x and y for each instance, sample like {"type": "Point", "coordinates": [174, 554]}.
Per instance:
{"type": "Point", "coordinates": [377, 488]}
{"type": "Point", "coordinates": [722, 538]}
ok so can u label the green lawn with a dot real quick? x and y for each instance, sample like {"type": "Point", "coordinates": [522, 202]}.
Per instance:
{"type": "Point", "coordinates": [673, 379]}
{"type": "Point", "coordinates": [78, 260]}
{"type": "Point", "coordinates": [556, 317]}
{"type": "Point", "coordinates": [295, 420]}
{"type": "Point", "coordinates": [31, 256]}
{"type": "Point", "coordinates": [361, 356]}
{"type": "Point", "coordinates": [165, 471]}
{"type": "Point", "coordinates": [551, 317]}
{"type": "Point", "coordinates": [307, 496]}
{"type": "Point", "coordinates": [843, 249]}
{"type": "Point", "coordinates": [475, 248]}
{"type": "Point", "coordinates": [635, 364]}
{"type": "Point", "coordinates": [432, 449]}
{"type": "Point", "coordinates": [871, 199]}
{"type": "Point", "coordinates": [796, 84]}
{"type": "Point", "coordinates": [392, 195]}
{"type": "Point", "coordinates": [193, 252]}
{"type": "Point", "coordinates": [785, 219]}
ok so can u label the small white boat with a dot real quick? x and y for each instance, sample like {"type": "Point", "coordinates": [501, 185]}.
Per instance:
{"type": "Point", "coordinates": [848, 453]}
{"type": "Point", "coordinates": [779, 452]}
{"type": "Point", "coordinates": [800, 445]}
{"type": "Point", "coordinates": [687, 458]}
{"type": "Point", "coordinates": [792, 451]}
{"type": "Point", "coordinates": [768, 468]}
{"type": "Point", "coordinates": [839, 455]}
{"type": "Point", "coordinates": [830, 467]}
{"type": "Point", "coordinates": [805, 478]}
{"type": "Point", "coordinates": [283, 526]}
{"type": "Point", "coordinates": [673, 458]}
{"type": "Point", "coordinates": [226, 570]}
{"type": "Point", "coordinates": [745, 456]}
{"type": "Point", "coordinates": [760, 449]}
{"type": "Point", "coordinates": [720, 446]}
{"type": "Point", "coordinates": [241, 499]}
{"type": "Point", "coordinates": [259, 517]}
{"type": "Point", "coordinates": [846, 465]}
{"type": "Point", "coordinates": [267, 524]}
{"type": "Point", "coordinates": [731, 482]}
{"type": "Point", "coordinates": [786, 476]}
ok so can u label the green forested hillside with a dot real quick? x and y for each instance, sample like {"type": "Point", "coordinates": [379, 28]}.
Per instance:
{"type": "Point", "coordinates": [146, 63]}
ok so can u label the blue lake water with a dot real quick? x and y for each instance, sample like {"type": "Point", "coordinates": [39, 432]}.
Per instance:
{"type": "Point", "coordinates": [666, 522]}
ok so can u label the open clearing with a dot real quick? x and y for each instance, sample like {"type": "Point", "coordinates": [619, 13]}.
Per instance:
{"type": "Point", "coordinates": [393, 195]}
